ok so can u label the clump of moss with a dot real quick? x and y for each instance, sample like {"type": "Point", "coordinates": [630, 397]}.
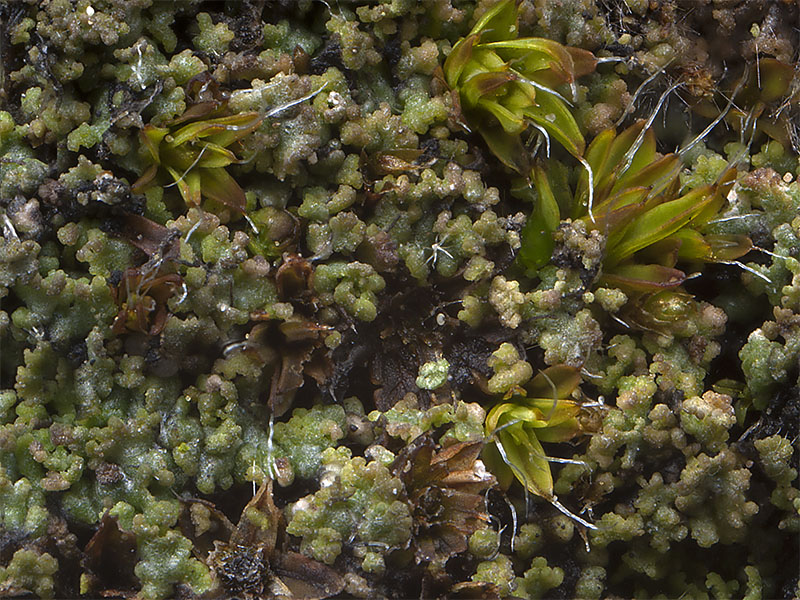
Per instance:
{"type": "Point", "coordinates": [359, 501]}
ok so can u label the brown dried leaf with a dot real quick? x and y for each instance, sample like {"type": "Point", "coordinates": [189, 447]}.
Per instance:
{"type": "Point", "coordinates": [396, 373]}
{"type": "Point", "coordinates": [109, 559]}
{"type": "Point", "coordinates": [242, 564]}
{"type": "Point", "coordinates": [293, 277]}
{"type": "Point", "coordinates": [289, 379]}
{"type": "Point", "coordinates": [242, 571]}
{"type": "Point", "coordinates": [380, 251]}
{"type": "Point", "coordinates": [297, 330]}
{"type": "Point", "coordinates": [203, 523]}
{"type": "Point", "coordinates": [474, 590]}
{"type": "Point", "coordinates": [150, 237]}
{"type": "Point", "coordinates": [141, 295]}
{"type": "Point", "coordinates": [304, 577]}
{"type": "Point", "coordinates": [249, 566]}
{"type": "Point", "coordinates": [258, 525]}
{"type": "Point", "coordinates": [302, 352]}
{"type": "Point", "coordinates": [444, 488]}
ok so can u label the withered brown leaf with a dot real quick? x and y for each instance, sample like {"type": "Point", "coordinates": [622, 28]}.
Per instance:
{"type": "Point", "coordinates": [109, 559]}
{"type": "Point", "coordinates": [251, 565]}
{"type": "Point", "coordinates": [444, 487]}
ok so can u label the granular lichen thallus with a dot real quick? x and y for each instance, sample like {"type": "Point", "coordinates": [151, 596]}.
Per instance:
{"type": "Point", "coordinates": [160, 362]}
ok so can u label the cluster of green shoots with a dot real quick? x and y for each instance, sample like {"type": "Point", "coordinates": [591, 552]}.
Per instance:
{"type": "Point", "coordinates": [541, 411]}
{"type": "Point", "coordinates": [649, 225]}
{"type": "Point", "coordinates": [196, 147]}
{"type": "Point", "coordinates": [194, 150]}
{"type": "Point", "coordinates": [506, 85]}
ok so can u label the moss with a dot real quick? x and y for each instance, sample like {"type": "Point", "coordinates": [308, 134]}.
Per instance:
{"type": "Point", "coordinates": [676, 369]}
{"type": "Point", "coordinates": [32, 572]}
{"type": "Point", "coordinates": [766, 189]}
{"type": "Point", "coordinates": [285, 36]}
{"type": "Point", "coordinates": [307, 434]}
{"type": "Point", "coordinates": [774, 156]}
{"type": "Point", "coordinates": [715, 516]}
{"type": "Point", "coordinates": [161, 26]}
{"type": "Point", "coordinates": [754, 586]}
{"type": "Point", "coordinates": [20, 172]}
{"type": "Point", "coordinates": [569, 339]}
{"type": "Point", "coordinates": [591, 583]}
{"type": "Point", "coordinates": [183, 66]}
{"type": "Point", "coordinates": [104, 254]}
{"type": "Point", "coordinates": [379, 130]}
{"type": "Point", "coordinates": [19, 261]}
{"type": "Point", "coordinates": [420, 111]}
{"type": "Point", "coordinates": [473, 310]}
{"type": "Point", "coordinates": [357, 47]}
{"type": "Point", "coordinates": [765, 359]}
{"type": "Point", "coordinates": [359, 500]}
{"type": "Point", "coordinates": [538, 579]}
{"type": "Point", "coordinates": [615, 527]}
{"type": "Point", "coordinates": [664, 523]}
{"type": "Point", "coordinates": [561, 528]}
{"type": "Point", "coordinates": [708, 418]}
{"type": "Point", "coordinates": [405, 420]}
{"type": "Point", "coordinates": [86, 136]}
{"type": "Point", "coordinates": [350, 285]}
{"type": "Point", "coordinates": [775, 452]}
{"type": "Point", "coordinates": [506, 299]}
{"type": "Point", "coordinates": [433, 374]}
{"type": "Point", "coordinates": [499, 572]}
{"type": "Point", "coordinates": [167, 561]}
{"type": "Point", "coordinates": [484, 543]}
{"type": "Point", "coordinates": [510, 371]}
{"type": "Point", "coordinates": [22, 505]}
{"type": "Point", "coordinates": [373, 563]}
{"type": "Point", "coordinates": [212, 39]}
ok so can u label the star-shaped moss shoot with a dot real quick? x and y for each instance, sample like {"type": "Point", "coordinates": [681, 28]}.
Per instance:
{"type": "Point", "coordinates": [194, 150]}
{"type": "Point", "coordinates": [506, 84]}
{"type": "Point", "coordinates": [650, 226]}
{"type": "Point", "coordinates": [542, 411]}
